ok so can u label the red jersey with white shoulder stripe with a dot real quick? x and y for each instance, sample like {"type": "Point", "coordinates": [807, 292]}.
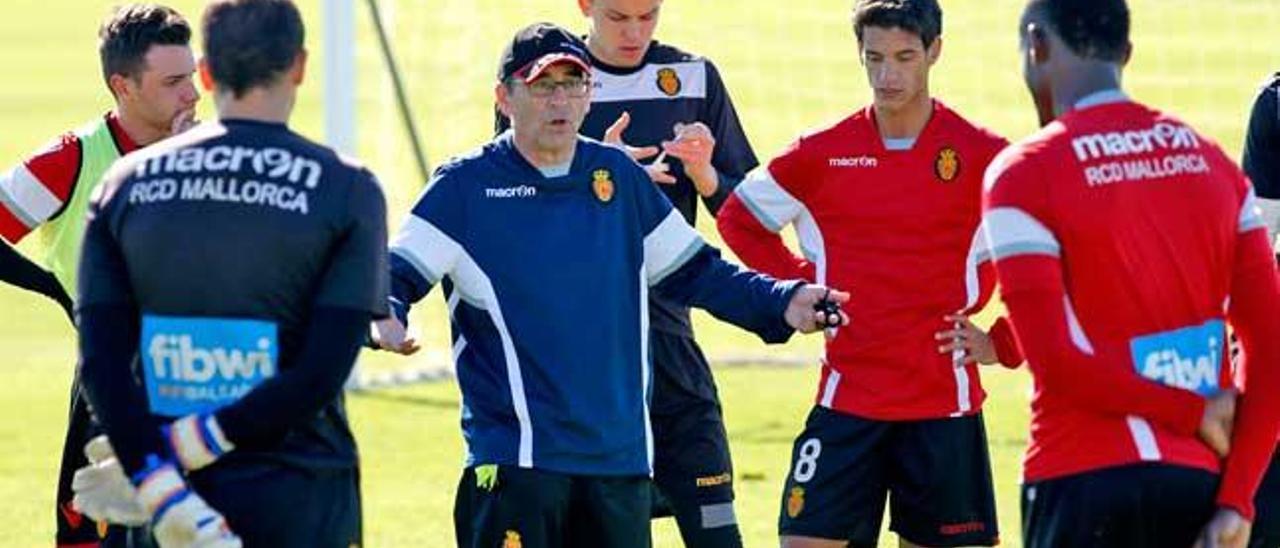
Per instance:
{"type": "Point", "coordinates": [896, 229]}
{"type": "Point", "coordinates": [36, 190]}
{"type": "Point", "coordinates": [1142, 223]}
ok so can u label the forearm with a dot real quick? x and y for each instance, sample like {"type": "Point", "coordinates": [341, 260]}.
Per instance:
{"type": "Point", "coordinates": [1255, 298]}
{"type": "Point", "coordinates": [108, 345]}
{"type": "Point", "coordinates": [264, 415]}
{"type": "Point", "coordinates": [408, 286]}
{"type": "Point", "coordinates": [747, 299]}
{"type": "Point", "coordinates": [725, 184]}
{"type": "Point", "coordinates": [758, 246]}
{"type": "Point", "coordinates": [1008, 350]}
{"type": "Point", "coordinates": [1096, 376]}
{"type": "Point", "coordinates": [18, 271]}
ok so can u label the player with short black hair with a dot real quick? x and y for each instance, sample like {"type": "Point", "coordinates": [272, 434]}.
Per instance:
{"type": "Point", "coordinates": [1093, 29]}
{"type": "Point", "coordinates": [239, 70]}
{"type": "Point", "coordinates": [1125, 242]}
{"type": "Point", "coordinates": [923, 19]}
{"type": "Point", "coordinates": [887, 201]}
{"type": "Point", "coordinates": [228, 280]}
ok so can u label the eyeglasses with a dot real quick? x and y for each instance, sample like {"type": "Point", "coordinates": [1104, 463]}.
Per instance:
{"type": "Point", "coordinates": [543, 88]}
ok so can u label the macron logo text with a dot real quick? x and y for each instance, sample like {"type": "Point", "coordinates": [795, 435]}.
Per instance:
{"type": "Point", "coordinates": [523, 191]}
{"type": "Point", "coordinates": [1160, 137]}
{"type": "Point", "coordinates": [853, 161]}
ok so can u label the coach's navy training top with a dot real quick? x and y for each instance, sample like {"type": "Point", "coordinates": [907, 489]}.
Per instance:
{"type": "Point", "coordinates": [546, 279]}
{"type": "Point", "coordinates": [671, 86]}
{"type": "Point", "coordinates": [224, 240]}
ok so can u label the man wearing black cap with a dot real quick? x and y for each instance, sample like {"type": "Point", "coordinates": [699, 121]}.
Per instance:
{"type": "Point", "coordinates": [547, 245]}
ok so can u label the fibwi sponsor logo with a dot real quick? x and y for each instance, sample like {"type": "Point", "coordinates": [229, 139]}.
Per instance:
{"type": "Point", "coordinates": [522, 191]}
{"type": "Point", "coordinates": [1163, 136]}
{"type": "Point", "coordinates": [853, 161]}
{"type": "Point", "coordinates": [1189, 358]}
{"type": "Point", "coordinates": [193, 365]}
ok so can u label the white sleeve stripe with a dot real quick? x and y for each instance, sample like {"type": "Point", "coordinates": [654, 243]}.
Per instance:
{"type": "Point", "coordinates": [669, 246]}
{"type": "Point", "coordinates": [680, 261]}
{"type": "Point", "coordinates": [426, 247]}
{"type": "Point", "coordinates": [772, 205]}
{"type": "Point", "coordinates": [1078, 336]}
{"type": "Point", "coordinates": [978, 253]}
{"type": "Point", "coordinates": [1018, 249]}
{"type": "Point", "coordinates": [404, 253]}
{"type": "Point", "coordinates": [1251, 217]}
{"type": "Point", "coordinates": [1011, 231]}
{"type": "Point", "coordinates": [26, 197]}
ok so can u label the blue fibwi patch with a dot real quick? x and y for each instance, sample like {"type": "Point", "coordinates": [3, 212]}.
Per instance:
{"type": "Point", "coordinates": [195, 365]}
{"type": "Point", "coordinates": [1189, 358]}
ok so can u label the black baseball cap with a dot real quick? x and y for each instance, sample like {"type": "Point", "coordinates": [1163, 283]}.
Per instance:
{"type": "Point", "coordinates": [538, 46]}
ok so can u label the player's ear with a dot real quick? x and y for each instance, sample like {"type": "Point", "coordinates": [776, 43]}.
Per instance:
{"type": "Point", "coordinates": [502, 97]}
{"type": "Point", "coordinates": [206, 75]}
{"type": "Point", "coordinates": [119, 85]}
{"type": "Point", "coordinates": [1128, 53]}
{"type": "Point", "coordinates": [585, 6]}
{"type": "Point", "coordinates": [934, 51]}
{"type": "Point", "coordinates": [298, 72]}
{"type": "Point", "coordinates": [1037, 44]}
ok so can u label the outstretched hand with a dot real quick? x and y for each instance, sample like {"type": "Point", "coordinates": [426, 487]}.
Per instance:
{"type": "Point", "coordinates": [390, 335]}
{"type": "Point", "coordinates": [805, 316]}
{"type": "Point", "coordinates": [657, 169]}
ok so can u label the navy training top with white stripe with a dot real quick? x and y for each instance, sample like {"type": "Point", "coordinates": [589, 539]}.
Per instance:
{"type": "Point", "coordinates": [219, 248]}
{"type": "Point", "coordinates": [670, 86]}
{"type": "Point", "coordinates": [546, 280]}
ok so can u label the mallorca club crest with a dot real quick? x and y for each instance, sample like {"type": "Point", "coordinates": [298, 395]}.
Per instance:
{"type": "Point", "coordinates": [512, 540]}
{"type": "Point", "coordinates": [795, 502]}
{"type": "Point", "coordinates": [669, 81]}
{"type": "Point", "coordinates": [947, 165]}
{"type": "Point", "coordinates": [602, 185]}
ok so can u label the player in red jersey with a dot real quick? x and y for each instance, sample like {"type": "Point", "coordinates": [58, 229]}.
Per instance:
{"type": "Point", "coordinates": [887, 204]}
{"type": "Point", "coordinates": [1125, 242]}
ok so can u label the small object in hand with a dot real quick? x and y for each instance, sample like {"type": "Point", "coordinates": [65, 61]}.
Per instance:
{"type": "Point", "coordinates": [830, 310]}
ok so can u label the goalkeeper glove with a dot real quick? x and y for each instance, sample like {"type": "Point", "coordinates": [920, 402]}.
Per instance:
{"type": "Point", "coordinates": [102, 491]}
{"type": "Point", "coordinates": [179, 517]}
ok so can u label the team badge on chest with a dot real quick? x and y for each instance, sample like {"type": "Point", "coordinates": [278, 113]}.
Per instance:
{"type": "Point", "coordinates": [602, 185]}
{"type": "Point", "coordinates": [669, 81]}
{"type": "Point", "coordinates": [947, 165]}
